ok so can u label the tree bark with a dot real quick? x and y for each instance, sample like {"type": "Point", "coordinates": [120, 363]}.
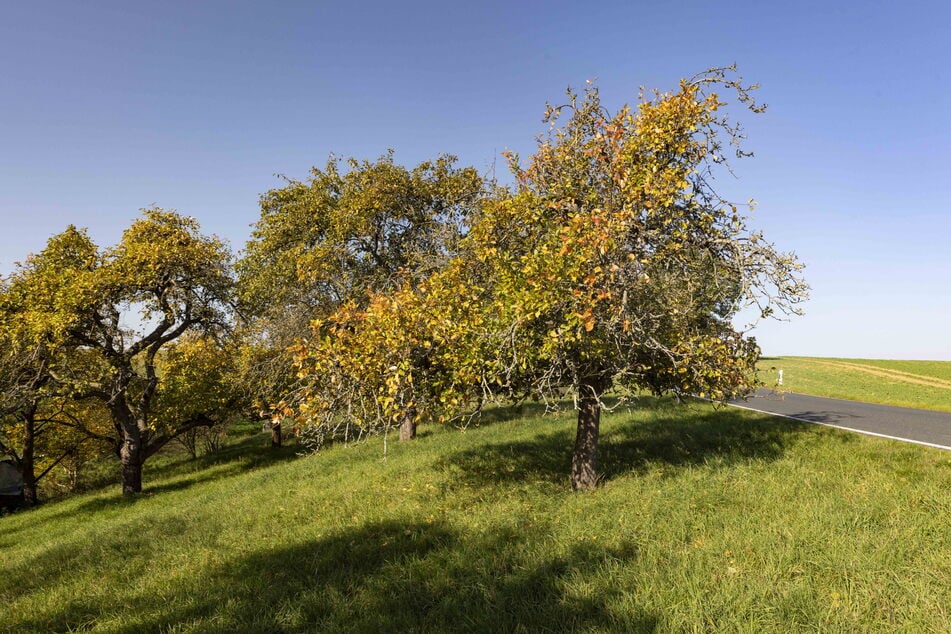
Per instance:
{"type": "Point", "coordinates": [131, 456]}
{"type": "Point", "coordinates": [277, 439]}
{"type": "Point", "coordinates": [408, 426]}
{"type": "Point", "coordinates": [27, 458]}
{"type": "Point", "coordinates": [584, 459]}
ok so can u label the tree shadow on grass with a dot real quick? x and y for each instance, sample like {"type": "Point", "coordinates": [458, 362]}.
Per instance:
{"type": "Point", "coordinates": [676, 435]}
{"type": "Point", "coordinates": [693, 435]}
{"type": "Point", "coordinates": [177, 473]}
{"type": "Point", "coordinates": [382, 577]}
{"type": "Point", "coordinates": [71, 557]}
{"type": "Point", "coordinates": [251, 451]}
{"type": "Point", "coordinates": [504, 413]}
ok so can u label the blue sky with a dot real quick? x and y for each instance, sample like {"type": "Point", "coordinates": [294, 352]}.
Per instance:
{"type": "Point", "coordinates": [108, 107]}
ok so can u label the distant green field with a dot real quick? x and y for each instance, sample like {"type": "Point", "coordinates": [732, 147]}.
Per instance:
{"type": "Point", "coordinates": [934, 369]}
{"type": "Point", "coordinates": [921, 384]}
{"type": "Point", "coordinates": [709, 520]}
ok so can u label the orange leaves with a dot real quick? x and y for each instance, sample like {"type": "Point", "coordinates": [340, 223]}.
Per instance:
{"type": "Point", "coordinates": [597, 262]}
{"type": "Point", "coordinates": [404, 349]}
{"type": "Point", "coordinates": [587, 320]}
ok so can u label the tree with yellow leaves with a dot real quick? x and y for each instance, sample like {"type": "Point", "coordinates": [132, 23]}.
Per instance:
{"type": "Point", "coordinates": [613, 263]}
{"type": "Point", "coordinates": [106, 316]}
{"type": "Point", "coordinates": [351, 230]}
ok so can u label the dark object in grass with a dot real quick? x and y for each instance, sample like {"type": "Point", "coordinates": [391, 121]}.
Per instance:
{"type": "Point", "coordinates": [11, 486]}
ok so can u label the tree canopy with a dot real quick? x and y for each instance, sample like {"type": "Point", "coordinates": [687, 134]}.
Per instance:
{"type": "Point", "coordinates": [104, 316]}
{"type": "Point", "coordinates": [613, 263]}
{"type": "Point", "coordinates": [352, 229]}
{"type": "Point", "coordinates": [372, 296]}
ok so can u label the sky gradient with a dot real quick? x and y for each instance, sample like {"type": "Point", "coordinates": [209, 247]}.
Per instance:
{"type": "Point", "coordinates": [108, 107]}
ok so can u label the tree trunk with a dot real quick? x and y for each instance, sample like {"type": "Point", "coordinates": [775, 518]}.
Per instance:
{"type": "Point", "coordinates": [132, 457]}
{"type": "Point", "coordinates": [408, 426]}
{"type": "Point", "coordinates": [27, 459]}
{"type": "Point", "coordinates": [584, 459]}
{"type": "Point", "coordinates": [277, 439]}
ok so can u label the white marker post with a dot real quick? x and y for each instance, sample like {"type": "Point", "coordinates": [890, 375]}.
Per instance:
{"type": "Point", "coordinates": [780, 382]}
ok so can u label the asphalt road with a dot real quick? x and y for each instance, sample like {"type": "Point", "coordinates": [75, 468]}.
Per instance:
{"type": "Point", "coordinates": [918, 426]}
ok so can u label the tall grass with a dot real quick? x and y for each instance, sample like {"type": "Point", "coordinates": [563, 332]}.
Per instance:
{"type": "Point", "coordinates": [707, 520]}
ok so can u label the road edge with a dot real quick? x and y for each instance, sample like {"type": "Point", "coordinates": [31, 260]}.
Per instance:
{"type": "Point", "coordinates": [851, 429]}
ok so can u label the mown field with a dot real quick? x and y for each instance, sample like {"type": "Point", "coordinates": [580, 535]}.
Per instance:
{"type": "Point", "coordinates": [714, 520]}
{"type": "Point", "coordinates": [921, 384]}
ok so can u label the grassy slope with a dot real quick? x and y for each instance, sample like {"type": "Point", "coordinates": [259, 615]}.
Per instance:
{"type": "Point", "coordinates": [709, 520]}
{"type": "Point", "coordinates": [922, 384]}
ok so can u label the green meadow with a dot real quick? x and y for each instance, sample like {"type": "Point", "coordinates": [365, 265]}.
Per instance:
{"type": "Point", "coordinates": [921, 384]}
{"type": "Point", "coordinates": [708, 520]}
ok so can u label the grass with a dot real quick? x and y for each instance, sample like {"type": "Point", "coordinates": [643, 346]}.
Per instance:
{"type": "Point", "coordinates": [920, 384]}
{"type": "Point", "coordinates": [708, 520]}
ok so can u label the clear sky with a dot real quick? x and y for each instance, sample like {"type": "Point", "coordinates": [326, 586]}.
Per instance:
{"type": "Point", "coordinates": [108, 107]}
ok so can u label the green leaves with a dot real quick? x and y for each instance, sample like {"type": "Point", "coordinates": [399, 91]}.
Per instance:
{"type": "Point", "coordinates": [99, 320]}
{"type": "Point", "coordinates": [196, 374]}
{"type": "Point", "coordinates": [345, 247]}
{"type": "Point", "coordinates": [169, 269]}
{"type": "Point", "coordinates": [616, 243]}
{"type": "Point", "coordinates": [613, 261]}
{"type": "Point", "coordinates": [339, 233]}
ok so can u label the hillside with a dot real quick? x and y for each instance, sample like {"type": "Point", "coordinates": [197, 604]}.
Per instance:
{"type": "Point", "coordinates": [921, 384]}
{"type": "Point", "coordinates": [708, 520]}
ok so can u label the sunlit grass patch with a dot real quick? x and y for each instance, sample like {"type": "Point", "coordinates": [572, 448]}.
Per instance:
{"type": "Point", "coordinates": [707, 520]}
{"type": "Point", "coordinates": [921, 384]}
